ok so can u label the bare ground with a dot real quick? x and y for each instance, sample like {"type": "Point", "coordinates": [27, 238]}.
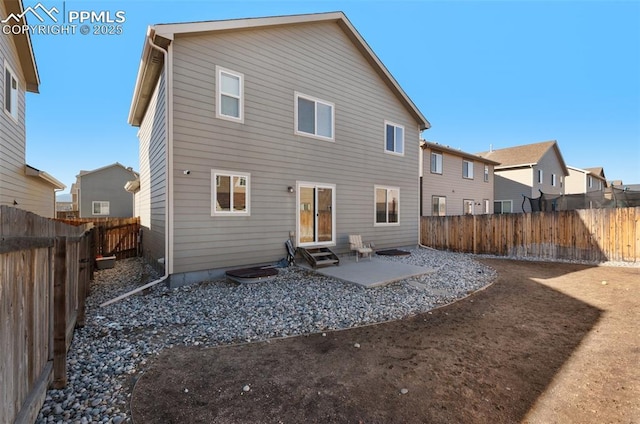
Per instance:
{"type": "Point", "coordinates": [547, 343]}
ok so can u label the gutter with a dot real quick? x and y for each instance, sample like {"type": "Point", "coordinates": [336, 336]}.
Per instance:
{"type": "Point", "coordinates": [168, 198]}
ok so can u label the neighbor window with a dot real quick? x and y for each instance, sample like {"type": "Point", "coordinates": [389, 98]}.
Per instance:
{"type": "Point", "coordinates": [590, 179]}
{"type": "Point", "coordinates": [100, 208]}
{"type": "Point", "coordinates": [230, 193]}
{"type": "Point", "coordinates": [436, 163]}
{"type": "Point", "coordinates": [393, 138]}
{"type": "Point", "coordinates": [486, 173]}
{"type": "Point", "coordinates": [10, 93]}
{"type": "Point", "coordinates": [229, 98]}
{"type": "Point", "coordinates": [600, 186]}
{"type": "Point", "coordinates": [467, 207]}
{"type": "Point", "coordinates": [467, 169]}
{"type": "Point", "coordinates": [486, 205]}
{"type": "Point", "coordinates": [553, 180]}
{"type": "Point", "coordinates": [439, 205]}
{"type": "Point", "coordinates": [313, 117]}
{"type": "Point", "coordinates": [502, 206]}
{"type": "Point", "coordinates": [387, 205]}
{"type": "Point", "coordinates": [539, 176]}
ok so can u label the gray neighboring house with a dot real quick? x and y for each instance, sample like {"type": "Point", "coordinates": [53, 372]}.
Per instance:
{"type": "Point", "coordinates": [21, 185]}
{"type": "Point", "coordinates": [256, 131]}
{"type": "Point", "coordinates": [102, 193]}
{"type": "Point", "coordinates": [526, 170]}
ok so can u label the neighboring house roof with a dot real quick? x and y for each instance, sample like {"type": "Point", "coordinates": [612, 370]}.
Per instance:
{"type": "Point", "coordinates": [162, 34]}
{"type": "Point", "coordinates": [33, 172]}
{"type": "Point", "coordinates": [129, 169]}
{"type": "Point", "coordinates": [457, 152]}
{"type": "Point", "coordinates": [525, 155]}
{"type": "Point", "coordinates": [594, 172]}
{"type": "Point", "coordinates": [22, 40]}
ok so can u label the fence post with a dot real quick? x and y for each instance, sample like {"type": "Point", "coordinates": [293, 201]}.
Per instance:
{"type": "Point", "coordinates": [83, 279]}
{"type": "Point", "coordinates": [60, 314]}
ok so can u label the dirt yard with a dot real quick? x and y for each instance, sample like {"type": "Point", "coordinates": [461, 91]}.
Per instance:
{"type": "Point", "coordinates": [547, 343]}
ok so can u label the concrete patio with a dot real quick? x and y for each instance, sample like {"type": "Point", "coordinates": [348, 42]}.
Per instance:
{"type": "Point", "coordinates": [370, 273]}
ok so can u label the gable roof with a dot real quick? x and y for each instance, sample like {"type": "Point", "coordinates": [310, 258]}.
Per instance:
{"type": "Point", "coordinates": [524, 155]}
{"type": "Point", "coordinates": [597, 172]}
{"type": "Point", "coordinates": [83, 173]}
{"type": "Point", "coordinates": [163, 34]}
{"type": "Point", "coordinates": [23, 45]}
{"type": "Point", "coordinates": [442, 148]}
{"type": "Point", "coordinates": [34, 172]}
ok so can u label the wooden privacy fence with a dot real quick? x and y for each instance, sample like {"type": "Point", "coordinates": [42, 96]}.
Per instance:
{"type": "Point", "coordinates": [595, 235]}
{"type": "Point", "coordinates": [114, 236]}
{"type": "Point", "coordinates": [45, 268]}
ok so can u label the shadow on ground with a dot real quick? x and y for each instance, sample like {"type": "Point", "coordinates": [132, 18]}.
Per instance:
{"type": "Point", "coordinates": [486, 358]}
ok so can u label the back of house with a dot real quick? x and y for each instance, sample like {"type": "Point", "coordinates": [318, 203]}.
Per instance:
{"type": "Point", "coordinates": [276, 128]}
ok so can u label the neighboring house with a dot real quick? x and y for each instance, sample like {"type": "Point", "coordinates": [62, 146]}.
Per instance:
{"type": "Point", "coordinates": [101, 192]}
{"type": "Point", "coordinates": [526, 170]}
{"type": "Point", "coordinates": [455, 182]}
{"type": "Point", "coordinates": [585, 188]}
{"type": "Point", "coordinates": [21, 185]}
{"type": "Point", "coordinates": [256, 131]}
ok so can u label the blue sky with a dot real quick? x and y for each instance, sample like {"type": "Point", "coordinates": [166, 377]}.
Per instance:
{"type": "Point", "coordinates": [483, 72]}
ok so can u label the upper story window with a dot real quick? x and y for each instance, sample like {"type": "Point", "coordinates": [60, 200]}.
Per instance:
{"type": "Point", "coordinates": [600, 186]}
{"type": "Point", "coordinates": [539, 176]}
{"type": "Point", "coordinates": [436, 163]}
{"type": "Point", "coordinates": [393, 138]}
{"type": "Point", "coordinates": [230, 193]}
{"type": "Point", "coordinates": [467, 169]}
{"type": "Point", "coordinates": [590, 179]}
{"type": "Point", "coordinates": [314, 117]}
{"type": "Point", "coordinates": [387, 205]}
{"type": "Point", "coordinates": [486, 173]}
{"type": "Point", "coordinates": [553, 180]}
{"type": "Point", "coordinates": [230, 94]}
{"type": "Point", "coordinates": [10, 93]}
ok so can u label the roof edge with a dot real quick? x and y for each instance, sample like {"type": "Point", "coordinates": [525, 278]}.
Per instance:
{"type": "Point", "coordinates": [436, 146]}
{"type": "Point", "coordinates": [34, 172]}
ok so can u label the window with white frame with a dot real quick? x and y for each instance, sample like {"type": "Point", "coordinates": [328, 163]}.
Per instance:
{"type": "Point", "coordinates": [393, 138]}
{"type": "Point", "coordinates": [539, 176]}
{"type": "Point", "coordinates": [467, 207]}
{"type": "Point", "coordinates": [590, 179]}
{"type": "Point", "coordinates": [486, 206]}
{"type": "Point", "coordinates": [314, 117]}
{"type": "Point", "coordinates": [486, 173]}
{"type": "Point", "coordinates": [439, 205]}
{"type": "Point", "coordinates": [436, 163]}
{"type": "Point", "coordinates": [502, 206]}
{"type": "Point", "coordinates": [467, 169]}
{"type": "Point", "coordinates": [100, 207]}
{"type": "Point", "coordinates": [553, 180]}
{"type": "Point", "coordinates": [600, 186]}
{"type": "Point", "coordinates": [230, 94]}
{"type": "Point", "coordinates": [230, 193]}
{"type": "Point", "coordinates": [10, 92]}
{"type": "Point", "coordinates": [387, 205]}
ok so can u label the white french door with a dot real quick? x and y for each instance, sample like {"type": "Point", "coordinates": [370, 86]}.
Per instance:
{"type": "Point", "coordinates": [316, 215]}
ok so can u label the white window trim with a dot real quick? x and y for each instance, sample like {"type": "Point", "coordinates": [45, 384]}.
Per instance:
{"type": "Point", "coordinates": [540, 175]}
{"type": "Point", "coordinates": [464, 206]}
{"type": "Point", "coordinates": [299, 185]}
{"type": "Point", "coordinates": [219, 93]}
{"type": "Point", "coordinates": [14, 114]}
{"type": "Point", "coordinates": [375, 211]}
{"type": "Point", "coordinates": [470, 176]}
{"type": "Point", "coordinates": [445, 204]}
{"type": "Point", "coordinates": [297, 95]}
{"type": "Point", "coordinates": [101, 202]}
{"type": "Point", "coordinates": [437, 154]}
{"type": "Point", "coordinates": [487, 171]}
{"type": "Point", "coordinates": [553, 180]}
{"type": "Point", "coordinates": [502, 202]}
{"type": "Point", "coordinates": [214, 192]}
{"type": "Point", "coordinates": [392, 152]}
{"type": "Point", "coordinates": [486, 206]}
{"type": "Point", "coordinates": [589, 181]}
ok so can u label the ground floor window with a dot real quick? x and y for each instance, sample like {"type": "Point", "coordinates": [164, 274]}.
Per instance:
{"type": "Point", "coordinates": [100, 207]}
{"type": "Point", "coordinates": [230, 193]}
{"type": "Point", "coordinates": [502, 206]}
{"type": "Point", "coordinates": [486, 205]}
{"type": "Point", "coordinates": [387, 205]}
{"type": "Point", "coordinates": [439, 204]}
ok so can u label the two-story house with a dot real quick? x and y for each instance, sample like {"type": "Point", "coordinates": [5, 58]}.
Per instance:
{"type": "Point", "coordinates": [101, 192]}
{"type": "Point", "coordinates": [455, 182]}
{"type": "Point", "coordinates": [585, 188]}
{"type": "Point", "coordinates": [21, 185]}
{"type": "Point", "coordinates": [526, 170]}
{"type": "Point", "coordinates": [256, 131]}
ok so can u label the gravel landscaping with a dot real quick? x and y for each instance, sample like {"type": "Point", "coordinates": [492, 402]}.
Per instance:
{"type": "Point", "coordinates": [109, 353]}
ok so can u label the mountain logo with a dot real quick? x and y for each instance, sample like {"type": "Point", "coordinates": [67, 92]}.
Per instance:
{"type": "Point", "coordinates": [38, 11]}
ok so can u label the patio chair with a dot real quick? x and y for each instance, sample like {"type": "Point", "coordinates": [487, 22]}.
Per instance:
{"type": "Point", "coordinates": [360, 248]}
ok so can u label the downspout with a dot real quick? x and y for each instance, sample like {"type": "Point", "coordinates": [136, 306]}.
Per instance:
{"type": "Point", "coordinates": [167, 182]}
